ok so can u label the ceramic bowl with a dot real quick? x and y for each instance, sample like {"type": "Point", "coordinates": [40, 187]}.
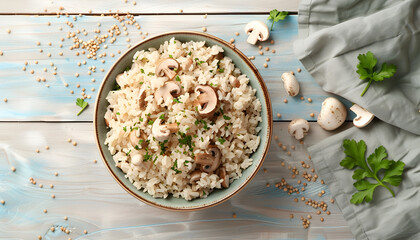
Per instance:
{"type": "Point", "coordinates": [219, 195]}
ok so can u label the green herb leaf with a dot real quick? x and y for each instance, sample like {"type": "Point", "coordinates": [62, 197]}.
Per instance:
{"type": "Point", "coordinates": [170, 56]}
{"type": "Point", "coordinates": [140, 119]}
{"type": "Point", "coordinates": [150, 74]}
{"type": "Point", "coordinates": [116, 87]}
{"type": "Point", "coordinates": [221, 70]}
{"type": "Point", "coordinates": [162, 147]}
{"type": "Point", "coordinates": [366, 69]}
{"type": "Point", "coordinates": [175, 167]}
{"type": "Point", "coordinates": [186, 162]}
{"type": "Point", "coordinates": [178, 78]}
{"type": "Point", "coordinates": [150, 122]}
{"type": "Point", "coordinates": [221, 140]}
{"type": "Point", "coordinates": [226, 117]}
{"type": "Point", "coordinates": [118, 113]}
{"type": "Point", "coordinates": [276, 16]}
{"type": "Point", "coordinates": [189, 54]}
{"type": "Point", "coordinates": [141, 70]}
{"type": "Point", "coordinates": [162, 116]}
{"type": "Point", "coordinates": [370, 168]}
{"type": "Point", "coordinates": [127, 69]}
{"type": "Point", "coordinates": [176, 100]}
{"type": "Point", "coordinates": [125, 129]}
{"type": "Point", "coordinates": [128, 153]}
{"type": "Point", "coordinates": [81, 103]}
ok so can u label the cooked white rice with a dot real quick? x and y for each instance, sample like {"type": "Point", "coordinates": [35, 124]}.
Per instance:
{"type": "Point", "coordinates": [234, 131]}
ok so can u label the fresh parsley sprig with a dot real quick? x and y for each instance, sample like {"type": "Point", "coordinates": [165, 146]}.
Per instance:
{"type": "Point", "coordinates": [81, 103]}
{"type": "Point", "coordinates": [366, 66]}
{"type": "Point", "coordinates": [276, 16]}
{"type": "Point", "coordinates": [376, 162]}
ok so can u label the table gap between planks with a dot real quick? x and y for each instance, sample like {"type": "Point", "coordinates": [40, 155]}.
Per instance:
{"type": "Point", "coordinates": [36, 116]}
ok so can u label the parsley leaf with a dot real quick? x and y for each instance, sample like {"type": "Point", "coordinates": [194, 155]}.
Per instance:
{"type": "Point", "coordinates": [176, 100]}
{"type": "Point", "coordinates": [276, 16]}
{"type": "Point", "coordinates": [141, 70]}
{"type": "Point", "coordinates": [226, 117]}
{"type": "Point", "coordinates": [376, 162]}
{"type": "Point", "coordinates": [178, 78]}
{"type": "Point", "coordinates": [221, 140]}
{"type": "Point", "coordinates": [81, 103]}
{"type": "Point", "coordinates": [162, 147]}
{"type": "Point", "coordinates": [116, 87]}
{"type": "Point", "coordinates": [162, 116]}
{"type": "Point", "coordinates": [175, 167]}
{"type": "Point", "coordinates": [366, 67]}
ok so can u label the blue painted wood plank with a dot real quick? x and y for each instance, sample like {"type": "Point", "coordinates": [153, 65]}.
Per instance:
{"type": "Point", "coordinates": [31, 100]}
{"type": "Point", "coordinates": [90, 198]}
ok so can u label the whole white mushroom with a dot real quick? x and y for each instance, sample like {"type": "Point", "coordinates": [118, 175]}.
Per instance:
{"type": "Point", "coordinates": [333, 114]}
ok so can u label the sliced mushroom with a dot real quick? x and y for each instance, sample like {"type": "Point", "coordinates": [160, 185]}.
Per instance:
{"type": "Point", "coordinates": [363, 117]}
{"type": "Point", "coordinates": [290, 83]}
{"type": "Point", "coordinates": [256, 30]}
{"type": "Point", "coordinates": [136, 136]}
{"type": "Point", "coordinates": [142, 96]}
{"type": "Point", "coordinates": [206, 100]}
{"type": "Point", "coordinates": [224, 177]}
{"type": "Point", "coordinates": [209, 161]}
{"type": "Point", "coordinates": [167, 67]}
{"type": "Point", "coordinates": [195, 176]}
{"type": "Point", "coordinates": [162, 132]}
{"type": "Point", "coordinates": [106, 123]}
{"type": "Point", "coordinates": [333, 114]}
{"type": "Point", "coordinates": [298, 128]}
{"type": "Point", "coordinates": [234, 81]}
{"type": "Point", "coordinates": [167, 92]}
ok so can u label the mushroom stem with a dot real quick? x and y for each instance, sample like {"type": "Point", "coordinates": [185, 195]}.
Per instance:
{"type": "Point", "coordinates": [253, 37]}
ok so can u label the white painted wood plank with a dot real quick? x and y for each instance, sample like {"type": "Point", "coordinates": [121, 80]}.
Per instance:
{"type": "Point", "coordinates": [146, 6]}
{"type": "Point", "coordinates": [30, 100]}
{"type": "Point", "coordinates": [92, 200]}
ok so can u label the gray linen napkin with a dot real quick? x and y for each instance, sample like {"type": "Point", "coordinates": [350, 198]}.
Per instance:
{"type": "Point", "coordinates": [385, 217]}
{"type": "Point", "coordinates": [392, 34]}
{"type": "Point", "coordinates": [332, 34]}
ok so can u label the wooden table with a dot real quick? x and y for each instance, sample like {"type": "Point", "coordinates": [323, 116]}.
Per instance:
{"type": "Point", "coordinates": [40, 114]}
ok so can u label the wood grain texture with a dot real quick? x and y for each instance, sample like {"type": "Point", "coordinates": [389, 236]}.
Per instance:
{"type": "Point", "coordinates": [90, 198]}
{"type": "Point", "coordinates": [146, 6]}
{"type": "Point", "coordinates": [30, 100]}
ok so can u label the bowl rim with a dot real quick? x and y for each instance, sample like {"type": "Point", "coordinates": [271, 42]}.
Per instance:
{"type": "Point", "coordinates": [269, 118]}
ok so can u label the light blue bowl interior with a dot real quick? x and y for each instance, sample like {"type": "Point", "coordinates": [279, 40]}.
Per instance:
{"type": "Point", "coordinates": [219, 194]}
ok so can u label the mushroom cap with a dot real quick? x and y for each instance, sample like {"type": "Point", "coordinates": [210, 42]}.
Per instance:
{"type": "Point", "coordinates": [168, 67]}
{"type": "Point", "coordinates": [260, 28]}
{"type": "Point", "coordinates": [333, 114]}
{"type": "Point", "coordinates": [209, 161]}
{"type": "Point", "coordinates": [195, 176]}
{"type": "Point", "coordinates": [363, 118]}
{"type": "Point", "coordinates": [167, 92]}
{"type": "Point", "coordinates": [298, 128]}
{"type": "Point", "coordinates": [135, 137]}
{"type": "Point", "coordinates": [290, 83]}
{"type": "Point", "coordinates": [206, 100]}
{"type": "Point", "coordinates": [160, 132]}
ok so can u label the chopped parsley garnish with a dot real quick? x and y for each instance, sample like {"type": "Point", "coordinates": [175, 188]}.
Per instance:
{"type": "Point", "coordinates": [226, 117]}
{"type": "Point", "coordinates": [189, 54]}
{"type": "Point", "coordinates": [149, 114]}
{"type": "Point", "coordinates": [203, 122]}
{"type": "Point", "coordinates": [147, 156]}
{"type": "Point", "coordinates": [141, 70]}
{"type": "Point", "coordinates": [150, 122]}
{"type": "Point", "coordinates": [221, 140]}
{"type": "Point", "coordinates": [137, 147]}
{"type": "Point", "coordinates": [140, 119]}
{"type": "Point", "coordinates": [195, 136]}
{"type": "Point", "coordinates": [127, 69]}
{"type": "Point", "coordinates": [118, 113]}
{"type": "Point", "coordinates": [116, 87]}
{"type": "Point", "coordinates": [175, 167]}
{"type": "Point", "coordinates": [199, 62]}
{"type": "Point", "coordinates": [150, 74]}
{"type": "Point", "coordinates": [162, 116]}
{"type": "Point", "coordinates": [186, 162]}
{"type": "Point", "coordinates": [204, 192]}
{"type": "Point", "coordinates": [221, 70]}
{"type": "Point", "coordinates": [141, 83]}
{"type": "Point", "coordinates": [170, 56]}
{"type": "Point", "coordinates": [125, 129]}
{"type": "Point", "coordinates": [211, 71]}
{"type": "Point", "coordinates": [185, 140]}
{"type": "Point", "coordinates": [178, 78]}
{"type": "Point", "coordinates": [128, 153]}
{"type": "Point", "coordinates": [202, 139]}
{"type": "Point", "coordinates": [141, 141]}
{"type": "Point", "coordinates": [176, 100]}
{"type": "Point", "coordinates": [162, 147]}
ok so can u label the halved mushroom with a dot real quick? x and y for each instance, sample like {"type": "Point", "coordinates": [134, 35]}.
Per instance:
{"type": "Point", "coordinates": [142, 96]}
{"type": "Point", "coordinates": [209, 161]}
{"type": "Point", "coordinates": [136, 136]}
{"type": "Point", "coordinates": [167, 92]}
{"type": "Point", "coordinates": [256, 30]}
{"type": "Point", "coordinates": [298, 128]}
{"type": "Point", "coordinates": [162, 132]}
{"type": "Point", "coordinates": [224, 177]}
{"type": "Point", "coordinates": [167, 67]}
{"type": "Point", "coordinates": [363, 118]}
{"type": "Point", "coordinates": [195, 176]}
{"type": "Point", "coordinates": [206, 100]}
